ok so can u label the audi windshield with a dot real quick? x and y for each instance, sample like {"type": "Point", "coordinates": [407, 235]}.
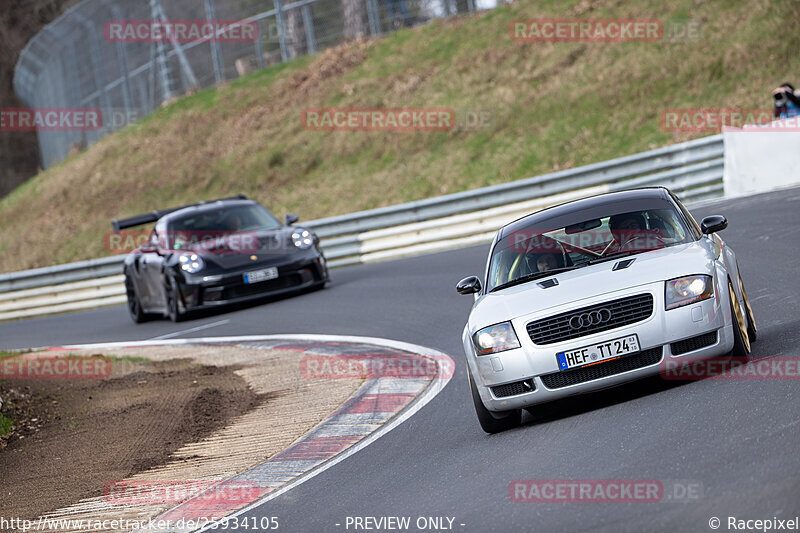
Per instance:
{"type": "Point", "coordinates": [548, 245]}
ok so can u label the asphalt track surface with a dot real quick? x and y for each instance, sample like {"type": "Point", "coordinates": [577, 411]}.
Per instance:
{"type": "Point", "coordinates": [738, 440]}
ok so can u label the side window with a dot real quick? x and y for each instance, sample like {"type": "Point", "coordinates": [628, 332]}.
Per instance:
{"type": "Point", "coordinates": [694, 228]}
{"type": "Point", "coordinates": [154, 241]}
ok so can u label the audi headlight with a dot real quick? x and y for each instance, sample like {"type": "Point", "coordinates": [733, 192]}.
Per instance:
{"type": "Point", "coordinates": [687, 290]}
{"type": "Point", "coordinates": [302, 238]}
{"type": "Point", "coordinates": [191, 263]}
{"type": "Point", "coordinates": [497, 338]}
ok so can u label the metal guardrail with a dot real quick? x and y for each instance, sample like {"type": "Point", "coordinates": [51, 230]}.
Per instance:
{"type": "Point", "coordinates": [692, 169]}
{"type": "Point", "coordinates": [691, 160]}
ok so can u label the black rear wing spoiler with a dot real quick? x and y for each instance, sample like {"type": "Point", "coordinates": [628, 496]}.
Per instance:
{"type": "Point", "coordinates": [153, 216]}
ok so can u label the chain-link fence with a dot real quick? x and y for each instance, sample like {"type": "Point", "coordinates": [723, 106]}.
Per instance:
{"type": "Point", "coordinates": [95, 55]}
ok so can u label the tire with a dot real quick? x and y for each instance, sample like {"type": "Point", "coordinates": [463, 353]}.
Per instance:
{"type": "Point", "coordinates": [752, 328]}
{"type": "Point", "coordinates": [741, 341]}
{"type": "Point", "coordinates": [134, 305]}
{"type": "Point", "coordinates": [492, 421]}
{"type": "Point", "coordinates": [173, 309]}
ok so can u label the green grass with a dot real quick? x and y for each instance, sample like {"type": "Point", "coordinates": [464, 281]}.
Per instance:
{"type": "Point", "coordinates": [5, 425]}
{"type": "Point", "coordinates": [552, 106]}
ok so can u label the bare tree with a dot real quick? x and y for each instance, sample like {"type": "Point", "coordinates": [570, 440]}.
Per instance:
{"type": "Point", "coordinates": [295, 33]}
{"type": "Point", "coordinates": [355, 18]}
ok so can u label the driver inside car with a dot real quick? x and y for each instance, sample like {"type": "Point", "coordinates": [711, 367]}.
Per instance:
{"type": "Point", "coordinates": [234, 222]}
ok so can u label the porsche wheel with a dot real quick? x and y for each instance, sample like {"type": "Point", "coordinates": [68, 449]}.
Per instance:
{"type": "Point", "coordinates": [173, 306]}
{"type": "Point", "coordinates": [134, 305]}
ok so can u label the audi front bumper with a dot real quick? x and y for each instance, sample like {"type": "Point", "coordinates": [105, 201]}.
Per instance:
{"type": "Point", "coordinates": [530, 375]}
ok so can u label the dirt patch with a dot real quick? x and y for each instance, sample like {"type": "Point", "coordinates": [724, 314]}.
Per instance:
{"type": "Point", "coordinates": [187, 418]}
{"type": "Point", "coordinates": [75, 436]}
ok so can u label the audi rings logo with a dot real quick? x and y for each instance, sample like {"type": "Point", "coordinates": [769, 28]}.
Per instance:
{"type": "Point", "coordinates": [592, 318]}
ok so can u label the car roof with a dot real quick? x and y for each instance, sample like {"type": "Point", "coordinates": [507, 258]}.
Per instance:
{"type": "Point", "coordinates": [590, 202]}
{"type": "Point", "coordinates": [204, 207]}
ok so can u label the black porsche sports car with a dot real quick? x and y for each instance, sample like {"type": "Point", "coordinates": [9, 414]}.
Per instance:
{"type": "Point", "coordinates": [214, 253]}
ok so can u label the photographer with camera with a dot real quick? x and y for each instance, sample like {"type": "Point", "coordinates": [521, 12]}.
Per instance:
{"type": "Point", "coordinates": [787, 101]}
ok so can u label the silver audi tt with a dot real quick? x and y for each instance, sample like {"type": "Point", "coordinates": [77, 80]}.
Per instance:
{"type": "Point", "coordinates": [597, 292]}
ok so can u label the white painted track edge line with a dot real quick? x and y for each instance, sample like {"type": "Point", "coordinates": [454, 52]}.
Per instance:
{"type": "Point", "coordinates": [434, 387]}
{"type": "Point", "coordinates": [429, 393]}
{"type": "Point", "coordinates": [413, 348]}
{"type": "Point", "coordinates": [190, 330]}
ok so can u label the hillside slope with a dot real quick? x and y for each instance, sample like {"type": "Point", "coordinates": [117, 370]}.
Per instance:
{"type": "Point", "coordinates": [552, 106]}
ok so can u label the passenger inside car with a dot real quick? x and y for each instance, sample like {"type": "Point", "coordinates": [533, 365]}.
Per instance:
{"type": "Point", "coordinates": [547, 262]}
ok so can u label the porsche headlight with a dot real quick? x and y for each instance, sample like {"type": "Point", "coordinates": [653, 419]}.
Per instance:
{"type": "Point", "coordinates": [497, 338]}
{"type": "Point", "coordinates": [191, 263]}
{"type": "Point", "coordinates": [687, 290]}
{"type": "Point", "coordinates": [302, 238]}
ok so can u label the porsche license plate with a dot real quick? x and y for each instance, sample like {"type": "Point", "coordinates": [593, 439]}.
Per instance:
{"type": "Point", "coordinates": [598, 352]}
{"type": "Point", "coordinates": [260, 275]}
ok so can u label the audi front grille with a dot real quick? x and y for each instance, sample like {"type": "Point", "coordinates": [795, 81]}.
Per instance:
{"type": "Point", "coordinates": [591, 319]}
{"type": "Point", "coordinates": [693, 343]}
{"type": "Point", "coordinates": [513, 389]}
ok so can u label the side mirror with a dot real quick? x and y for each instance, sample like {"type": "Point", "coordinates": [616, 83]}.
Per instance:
{"type": "Point", "coordinates": [290, 219]}
{"type": "Point", "coordinates": [469, 285]}
{"type": "Point", "coordinates": [713, 224]}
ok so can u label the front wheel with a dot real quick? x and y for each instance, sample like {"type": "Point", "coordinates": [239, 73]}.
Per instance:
{"type": "Point", "coordinates": [752, 329]}
{"type": "Point", "coordinates": [134, 305]}
{"type": "Point", "coordinates": [173, 306]}
{"type": "Point", "coordinates": [741, 340]}
{"type": "Point", "coordinates": [492, 421]}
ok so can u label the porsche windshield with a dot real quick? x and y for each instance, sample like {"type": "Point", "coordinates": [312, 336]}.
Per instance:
{"type": "Point", "coordinates": [184, 232]}
{"type": "Point", "coordinates": [566, 242]}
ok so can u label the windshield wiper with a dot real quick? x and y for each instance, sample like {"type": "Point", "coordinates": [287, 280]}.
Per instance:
{"type": "Point", "coordinates": [531, 277]}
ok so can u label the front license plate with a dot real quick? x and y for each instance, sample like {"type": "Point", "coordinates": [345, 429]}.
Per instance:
{"type": "Point", "coordinates": [260, 275]}
{"type": "Point", "coordinates": [598, 352]}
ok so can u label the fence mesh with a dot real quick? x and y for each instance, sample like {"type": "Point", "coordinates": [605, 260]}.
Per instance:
{"type": "Point", "coordinates": [74, 63]}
